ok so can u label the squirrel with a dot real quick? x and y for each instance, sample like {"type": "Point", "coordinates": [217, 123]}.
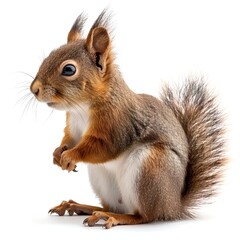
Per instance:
{"type": "Point", "coordinates": [149, 159]}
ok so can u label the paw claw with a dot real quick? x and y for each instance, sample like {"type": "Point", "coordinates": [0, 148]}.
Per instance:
{"type": "Point", "coordinates": [75, 170]}
{"type": "Point", "coordinates": [85, 223]}
{"type": "Point", "coordinates": [67, 161]}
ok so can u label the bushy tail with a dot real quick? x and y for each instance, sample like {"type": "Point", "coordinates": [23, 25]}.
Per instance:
{"type": "Point", "coordinates": [202, 122]}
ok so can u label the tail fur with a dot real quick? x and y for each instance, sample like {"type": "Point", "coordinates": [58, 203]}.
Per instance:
{"type": "Point", "coordinates": [198, 113]}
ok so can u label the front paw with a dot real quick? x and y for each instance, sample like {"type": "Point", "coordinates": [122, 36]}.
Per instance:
{"type": "Point", "coordinates": [67, 161]}
{"type": "Point", "coordinates": [57, 154]}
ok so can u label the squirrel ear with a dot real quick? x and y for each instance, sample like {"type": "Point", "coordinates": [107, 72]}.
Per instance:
{"type": "Point", "coordinates": [76, 30]}
{"type": "Point", "coordinates": [98, 44]}
{"type": "Point", "coordinates": [100, 40]}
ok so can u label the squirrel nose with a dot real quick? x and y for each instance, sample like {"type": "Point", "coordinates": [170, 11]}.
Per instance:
{"type": "Point", "coordinates": [36, 87]}
{"type": "Point", "coordinates": [35, 91]}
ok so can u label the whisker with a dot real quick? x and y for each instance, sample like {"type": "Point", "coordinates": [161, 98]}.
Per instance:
{"type": "Point", "coordinates": [50, 114]}
{"type": "Point", "coordinates": [24, 90]}
{"type": "Point", "coordinates": [26, 74]}
{"type": "Point", "coordinates": [26, 98]}
{"type": "Point", "coordinates": [23, 99]}
{"type": "Point", "coordinates": [30, 103]}
{"type": "Point", "coordinates": [25, 84]}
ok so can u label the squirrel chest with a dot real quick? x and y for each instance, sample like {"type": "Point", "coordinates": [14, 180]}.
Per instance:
{"type": "Point", "coordinates": [78, 119]}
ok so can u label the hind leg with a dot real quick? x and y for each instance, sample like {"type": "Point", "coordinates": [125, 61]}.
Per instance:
{"type": "Point", "coordinates": [73, 207]}
{"type": "Point", "coordinates": [160, 185]}
{"type": "Point", "coordinates": [112, 219]}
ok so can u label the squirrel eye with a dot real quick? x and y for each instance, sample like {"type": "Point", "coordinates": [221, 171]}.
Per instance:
{"type": "Point", "coordinates": [68, 70]}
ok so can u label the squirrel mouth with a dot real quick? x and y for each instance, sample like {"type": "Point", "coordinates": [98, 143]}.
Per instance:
{"type": "Point", "coordinates": [51, 104]}
{"type": "Point", "coordinates": [55, 105]}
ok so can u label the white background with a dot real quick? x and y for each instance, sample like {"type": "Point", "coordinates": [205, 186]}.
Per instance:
{"type": "Point", "coordinates": [155, 41]}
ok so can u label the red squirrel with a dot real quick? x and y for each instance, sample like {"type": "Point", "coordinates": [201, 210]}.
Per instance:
{"type": "Point", "coordinates": [148, 159]}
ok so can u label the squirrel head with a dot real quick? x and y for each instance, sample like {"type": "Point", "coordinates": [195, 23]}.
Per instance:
{"type": "Point", "coordinates": [78, 71]}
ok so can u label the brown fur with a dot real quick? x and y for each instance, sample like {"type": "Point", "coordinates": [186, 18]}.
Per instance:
{"type": "Point", "coordinates": [183, 130]}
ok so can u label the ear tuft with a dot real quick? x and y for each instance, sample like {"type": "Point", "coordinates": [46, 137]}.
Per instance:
{"type": "Point", "coordinates": [103, 20]}
{"type": "Point", "coordinates": [76, 30]}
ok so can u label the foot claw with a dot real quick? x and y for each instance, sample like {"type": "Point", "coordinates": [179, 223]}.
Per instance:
{"type": "Point", "coordinates": [90, 221]}
{"type": "Point", "coordinates": [51, 211]}
{"type": "Point", "coordinates": [85, 222]}
{"type": "Point", "coordinates": [105, 226]}
{"type": "Point", "coordinates": [70, 211]}
{"type": "Point", "coordinates": [96, 216]}
{"type": "Point", "coordinates": [61, 209]}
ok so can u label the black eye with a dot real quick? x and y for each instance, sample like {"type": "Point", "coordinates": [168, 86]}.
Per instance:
{"type": "Point", "coordinates": [69, 70]}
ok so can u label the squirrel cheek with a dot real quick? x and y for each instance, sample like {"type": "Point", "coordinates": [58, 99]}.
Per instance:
{"type": "Point", "coordinates": [47, 95]}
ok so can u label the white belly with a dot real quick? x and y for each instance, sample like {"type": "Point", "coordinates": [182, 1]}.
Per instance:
{"type": "Point", "coordinates": [114, 182]}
